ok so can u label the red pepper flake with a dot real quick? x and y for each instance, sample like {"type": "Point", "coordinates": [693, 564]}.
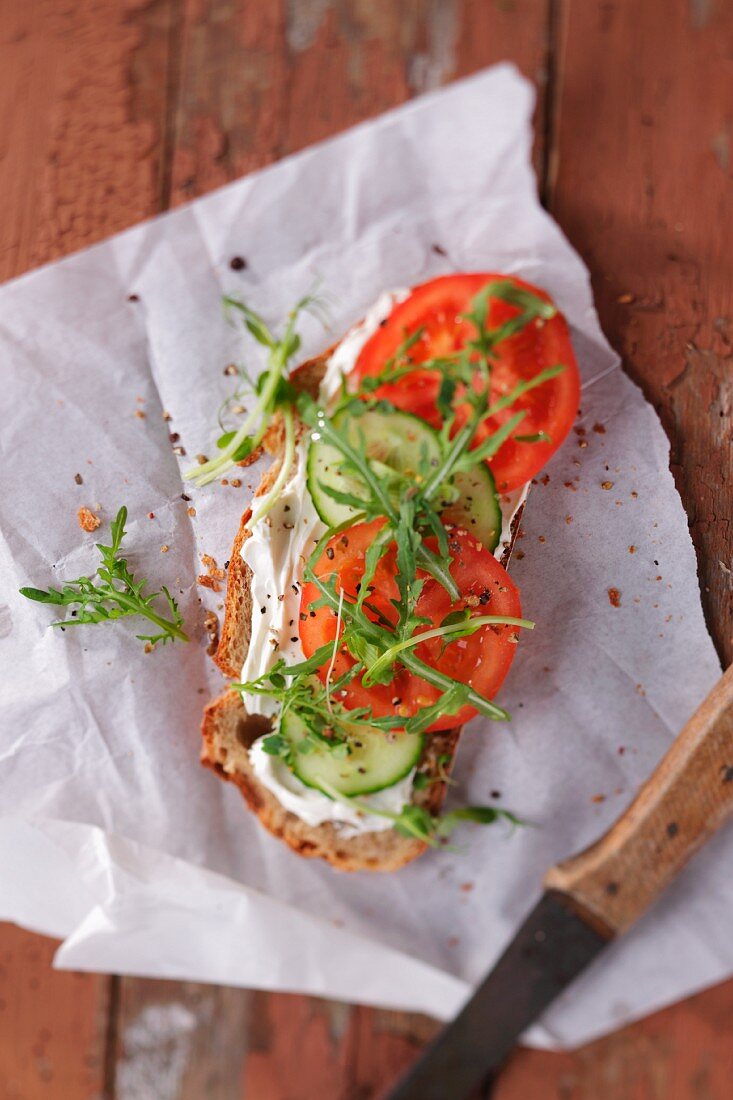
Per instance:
{"type": "Point", "coordinates": [235, 483]}
{"type": "Point", "coordinates": [625, 299]}
{"type": "Point", "coordinates": [614, 597]}
{"type": "Point", "coordinates": [632, 549]}
{"type": "Point", "coordinates": [466, 887]}
{"type": "Point", "coordinates": [568, 519]}
{"type": "Point", "coordinates": [151, 515]}
{"type": "Point", "coordinates": [634, 495]}
{"type": "Point", "coordinates": [579, 430]}
{"type": "Point", "coordinates": [541, 538]}
{"type": "Point", "coordinates": [453, 941]}
{"type": "Point", "coordinates": [569, 485]}
{"type": "Point", "coordinates": [545, 480]}
{"type": "Point", "coordinates": [191, 511]}
{"type": "Point", "coordinates": [600, 429]}
{"type": "Point", "coordinates": [598, 798]}
{"type": "Point", "coordinates": [519, 555]}
{"type": "Point", "coordinates": [139, 414]}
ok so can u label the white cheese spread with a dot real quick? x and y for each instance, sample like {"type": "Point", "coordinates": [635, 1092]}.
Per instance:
{"type": "Point", "coordinates": [315, 808]}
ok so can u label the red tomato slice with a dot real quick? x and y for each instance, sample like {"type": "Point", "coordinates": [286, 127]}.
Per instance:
{"type": "Point", "coordinates": [481, 660]}
{"type": "Point", "coordinates": [438, 307]}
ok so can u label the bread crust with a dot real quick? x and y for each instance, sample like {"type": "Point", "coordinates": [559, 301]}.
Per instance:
{"type": "Point", "coordinates": [228, 730]}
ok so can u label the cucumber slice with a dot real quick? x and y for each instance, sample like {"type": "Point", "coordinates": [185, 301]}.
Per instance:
{"type": "Point", "coordinates": [402, 442]}
{"type": "Point", "coordinates": [477, 508]}
{"type": "Point", "coordinates": [394, 441]}
{"type": "Point", "coordinates": [376, 759]}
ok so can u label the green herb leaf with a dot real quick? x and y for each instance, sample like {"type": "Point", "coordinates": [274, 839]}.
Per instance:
{"type": "Point", "coordinates": [115, 595]}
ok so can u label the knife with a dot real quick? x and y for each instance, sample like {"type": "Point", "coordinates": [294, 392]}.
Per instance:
{"type": "Point", "coordinates": [588, 900]}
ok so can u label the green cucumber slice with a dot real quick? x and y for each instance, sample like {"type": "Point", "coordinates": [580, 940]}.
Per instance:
{"type": "Point", "coordinates": [401, 442]}
{"type": "Point", "coordinates": [394, 441]}
{"type": "Point", "coordinates": [376, 759]}
{"type": "Point", "coordinates": [477, 508]}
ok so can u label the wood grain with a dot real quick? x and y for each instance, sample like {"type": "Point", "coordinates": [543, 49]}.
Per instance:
{"type": "Point", "coordinates": [615, 880]}
{"type": "Point", "coordinates": [53, 1024]}
{"type": "Point", "coordinates": [83, 97]}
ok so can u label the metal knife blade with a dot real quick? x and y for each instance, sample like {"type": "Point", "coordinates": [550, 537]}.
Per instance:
{"type": "Point", "coordinates": [550, 949]}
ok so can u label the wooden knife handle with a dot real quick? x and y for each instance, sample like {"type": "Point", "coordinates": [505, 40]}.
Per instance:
{"type": "Point", "coordinates": [688, 797]}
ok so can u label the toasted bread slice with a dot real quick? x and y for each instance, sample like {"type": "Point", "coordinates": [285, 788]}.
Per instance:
{"type": "Point", "coordinates": [228, 730]}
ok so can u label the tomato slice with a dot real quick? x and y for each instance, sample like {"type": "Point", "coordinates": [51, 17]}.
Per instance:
{"type": "Point", "coordinates": [438, 307]}
{"type": "Point", "coordinates": [481, 660]}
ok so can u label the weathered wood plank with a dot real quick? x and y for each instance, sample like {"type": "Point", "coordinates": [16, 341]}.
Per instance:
{"type": "Point", "coordinates": [83, 99]}
{"type": "Point", "coordinates": [260, 80]}
{"type": "Point", "coordinates": [682, 1053]}
{"type": "Point", "coordinates": [52, 1025]}
{"type": "Point", "coordinates": [643, 186]}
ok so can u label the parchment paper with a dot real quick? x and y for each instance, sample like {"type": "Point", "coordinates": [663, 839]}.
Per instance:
{"type": "Point", "coordinates": [112, 835]}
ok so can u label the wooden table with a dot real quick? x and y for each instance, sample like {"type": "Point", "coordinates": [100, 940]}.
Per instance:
{"type": "Point", "coordinates": [114, 110]}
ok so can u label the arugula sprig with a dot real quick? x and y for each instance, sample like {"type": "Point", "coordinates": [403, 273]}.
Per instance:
{"type": "Point", "coordinates": [416, 821]}
{"type": "Point", "coordinates": [114, 594]}
{"type": "Point", "coordinates": [273, 391]}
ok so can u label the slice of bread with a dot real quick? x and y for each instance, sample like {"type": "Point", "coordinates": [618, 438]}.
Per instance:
{"type": "Point", "coordinates": [228, 730]}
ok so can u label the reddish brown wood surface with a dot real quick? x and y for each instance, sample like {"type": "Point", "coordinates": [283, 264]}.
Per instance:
{"type": "Point", "coordinates": [115, 109]}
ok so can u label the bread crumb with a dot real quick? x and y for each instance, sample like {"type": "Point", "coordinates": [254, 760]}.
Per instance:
{"type": "Point", "coordinates": [191, 511]}
{"type": "Point", "coordinates": [139, 414]}
{"type": "Point", "coordinates": [235, 482]}
{"type": "Point", "coordinates": [87, 520]}
{"type": "Point", "coordinates": [208, 582]}
{"type": "Point", "coordinates": [164, 548]}
{"type": "Point", "coordinates": [166, 415]}
{"type": "Point", "coordinates": [606, 485]}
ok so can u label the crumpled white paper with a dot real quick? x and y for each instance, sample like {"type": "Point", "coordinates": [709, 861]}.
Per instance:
{"type": "Point", "coordinates": [113, 837]}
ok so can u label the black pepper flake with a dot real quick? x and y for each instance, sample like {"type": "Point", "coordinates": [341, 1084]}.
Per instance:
{"type": "Point", "coordinates": [226, 564]}
{"type": "Point", "coordinates": [293, 639]}
{"type": "Point", "coordinates": [133, 298]}
{"type": "Point", "coordinates": [672, 829]}
{"type": "Point", "coordinates": [484, 597]}
{"type": "Point", "coordinates": [184, 496]}
{"type": "Point", "coordinates": [294, 588]}
{"type": "Point", "coordinates": [237, 263]}
{"type": "Point", "coordinates": [612, 888]}
{"type": "Point", "coordinates": [727, 771]}
{"type": "Point", "coordinates": [439, 250]}
{"type": "Point", "coordinates": [329, 553]}
{"type": "Point", "coordinates": [78, 479]}
{"type": "Point", "coordinates": [263, 610]}
{"type": "Point", "coordinates": [303, 617]}
{"type": "Point", "coordinates": [496, 794]}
